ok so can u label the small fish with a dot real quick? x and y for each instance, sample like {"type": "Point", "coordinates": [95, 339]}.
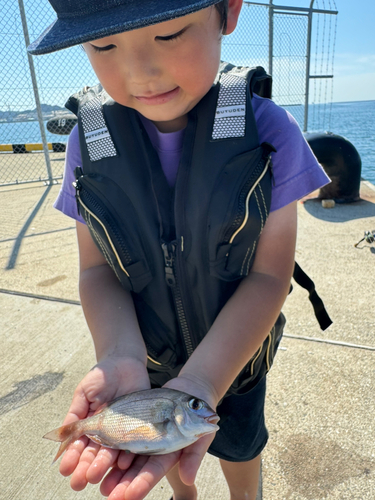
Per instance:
{"type": "Point", "coordinates": [150, 422]}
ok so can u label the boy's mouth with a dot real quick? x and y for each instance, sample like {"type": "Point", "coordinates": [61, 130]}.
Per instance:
{"type": "Point", "coordinates": [159, 98]}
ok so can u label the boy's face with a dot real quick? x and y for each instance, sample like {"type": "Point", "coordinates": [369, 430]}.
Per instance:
{"type": "Point", "coordinates": [163, 70]}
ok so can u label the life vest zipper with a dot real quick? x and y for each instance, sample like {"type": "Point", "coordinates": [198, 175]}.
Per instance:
{"type": "Point", "coordinates": [154, 355]}
{"type": "Point", "coordinates": [263, 173]}
{"type": "Point", "coordinates": [153, 360]}
{"type": "Point", "coordinates": [256, 356]}
{"type": "Point", "coordinates": [169, 252]}
{"type": "Point", "coordinates": [269, 349]}
{"type": "Point", "coordinates": [78, 187]}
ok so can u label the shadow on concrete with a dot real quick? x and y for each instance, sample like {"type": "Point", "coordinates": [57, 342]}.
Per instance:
{"type": "Point", "coordinates": [313, 467]}
{"type": "Point", "coordinates": [28, 390]}
{"type": "Point", "coordinates": [7, 188]}
{"type": "Point", "coordinates": [366, 248]}
{"type": "Point", "coordinates": [341, 212]}
{"type": "Point", "coordinates": [70, 228]}
{"type": "Point", "coordinates": [17, 244]}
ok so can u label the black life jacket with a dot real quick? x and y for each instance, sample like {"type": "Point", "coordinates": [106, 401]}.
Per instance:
{"type": "Point", "coordinates": [181, 252]}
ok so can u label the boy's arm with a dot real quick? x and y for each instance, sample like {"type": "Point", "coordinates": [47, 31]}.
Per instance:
{"type": "Point", "coordinates": [108, 308]}
{"type": "Point", "coordinates": [247, 318]}
{"type": "Point", "coordinates": [121, 356]}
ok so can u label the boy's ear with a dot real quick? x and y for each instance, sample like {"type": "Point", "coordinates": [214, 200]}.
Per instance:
{"type": "Point", "coordinates": [234, 9]}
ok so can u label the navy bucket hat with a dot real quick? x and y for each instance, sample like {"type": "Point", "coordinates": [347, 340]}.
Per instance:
{"type": "Point", "coordinates": [80, 21]}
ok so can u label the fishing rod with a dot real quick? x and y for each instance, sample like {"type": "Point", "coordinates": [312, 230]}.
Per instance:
{"type": "Point", "coordinates": [369, 237]}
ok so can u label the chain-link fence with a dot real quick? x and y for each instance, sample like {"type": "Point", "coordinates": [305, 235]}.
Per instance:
{"type": "Point", "coordinates": [34, 122]}
{"type": "Point", "coordinates": [321, 68]}
{"type": "Point", "coordinates": [57, 76]}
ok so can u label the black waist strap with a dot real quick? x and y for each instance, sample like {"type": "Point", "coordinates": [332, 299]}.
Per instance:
{"type": "Point", "coordinates": [320, 311]}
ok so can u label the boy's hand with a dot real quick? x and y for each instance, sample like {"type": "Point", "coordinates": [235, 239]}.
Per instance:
{"type": "Point", "coordinates": [134, 477]}
{"type": "Point", "coordinates": [86, 461]}
{"type": "Point", "coordinates": [130, 475]}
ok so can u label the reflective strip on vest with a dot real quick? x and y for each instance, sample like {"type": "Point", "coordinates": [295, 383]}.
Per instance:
{"type": "Point", "coordinates": [230, 116]}
{"type": "Point", "coordinates": [98, 139]}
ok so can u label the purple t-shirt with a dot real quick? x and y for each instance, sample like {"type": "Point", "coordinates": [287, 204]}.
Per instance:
{"type": "Point", "coordinates": [295, 168]}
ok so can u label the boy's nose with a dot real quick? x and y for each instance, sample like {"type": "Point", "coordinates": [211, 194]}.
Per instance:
{"type": "Point", "coordinates": [141, 65]}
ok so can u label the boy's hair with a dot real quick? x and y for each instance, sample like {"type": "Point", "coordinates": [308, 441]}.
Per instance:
{"type": "Point", "coordinates": [222, 8]}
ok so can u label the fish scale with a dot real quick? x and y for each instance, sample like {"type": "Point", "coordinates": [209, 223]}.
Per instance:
{"type": "Point", "coordinates": [117, 425]}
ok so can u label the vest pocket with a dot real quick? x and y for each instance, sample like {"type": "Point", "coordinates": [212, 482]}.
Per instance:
{"type": "Point", "coordinates": [162, 348]}
{"type": "Point", "coordinates": [260, 364]}
{"type": "Point", "coordinates": [237, 213]}
{"type": "Point", "coordinates": [116, 237]}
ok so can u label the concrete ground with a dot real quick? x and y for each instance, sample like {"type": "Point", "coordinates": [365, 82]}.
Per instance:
{"type": "Point", "coordinates": [320, 404]}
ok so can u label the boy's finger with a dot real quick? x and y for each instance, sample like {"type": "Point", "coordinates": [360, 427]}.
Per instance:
{"type": "Point", "coordinates": [103, 461]}
{"type": "Point", "coordinates": [111, 480]}
{"type": "Point", "coordinates": [78, 480]}
{"type": "Point", "coordinates": [72, 455]}
{"type": "Point", "coordinates": [191, 458]}
{"type": "Point", "coordinates": [150, 474]}
{"type": "Point", "coordinates": [79, 407]}
{"type": "Point", "coordinates": [116, 491]}
{"type": "Point", "coordinates": [124, 460]}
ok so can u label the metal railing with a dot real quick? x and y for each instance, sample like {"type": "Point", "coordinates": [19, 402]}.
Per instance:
{"type": "Point", "coordinates": [34, 89]}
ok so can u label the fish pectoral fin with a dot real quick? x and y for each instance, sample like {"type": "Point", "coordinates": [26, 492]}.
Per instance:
{"type": "Point", "coordinates": [161, 430]}
{"type": "Point", "coordinates": [149, 432]}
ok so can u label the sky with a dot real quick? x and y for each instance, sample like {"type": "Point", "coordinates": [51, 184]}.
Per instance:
{"type": "Point", "coordinates": [354, 67]}
{"type": "Point", "coordinates": [354, 59]}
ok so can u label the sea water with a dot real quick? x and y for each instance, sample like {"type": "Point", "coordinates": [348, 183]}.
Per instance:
{"type": "Point", "coordinates": [353, 120]}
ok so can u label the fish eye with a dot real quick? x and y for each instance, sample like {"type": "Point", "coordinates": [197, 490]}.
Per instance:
{"type": "Point", "coordinates": [195, 404]}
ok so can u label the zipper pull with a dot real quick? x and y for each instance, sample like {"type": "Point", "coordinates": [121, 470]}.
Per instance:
{"type": "Point", "coordinates": [268, 150]}
{"type": "Point", "coordinates": [270, 166]}
{"type": "Point", "coordinates": [168, 261]}
{"type": "Point", "coordinates": [77, 185]}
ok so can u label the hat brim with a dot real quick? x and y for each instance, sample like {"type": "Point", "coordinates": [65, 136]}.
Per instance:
{"type": "Point", "coordinates": [67, 32]}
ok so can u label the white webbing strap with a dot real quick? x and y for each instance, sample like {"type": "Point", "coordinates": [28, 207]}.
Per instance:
{"type": "Point", "coordinates": [230, 116]}
{"type": "Point", "coordinates": [98, 139]}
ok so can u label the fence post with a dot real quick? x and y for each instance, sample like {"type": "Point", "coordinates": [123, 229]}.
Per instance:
{"type": "Point", "coordinates": [270, 37]}
{"type": "Point", "coordinates": [308, 58]}
{"type": "Point", "coordinates": [36, 93]}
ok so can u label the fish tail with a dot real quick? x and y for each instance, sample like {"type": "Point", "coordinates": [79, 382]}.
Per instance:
{"type": "Point", "coordinates": [65, 434]}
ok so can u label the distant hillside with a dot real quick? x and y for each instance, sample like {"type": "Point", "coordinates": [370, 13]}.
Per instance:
{"type": "Point", "coordinates": [48, 112]}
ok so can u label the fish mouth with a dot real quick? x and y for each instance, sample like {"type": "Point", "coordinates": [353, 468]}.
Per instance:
{"type": "Point", "coordinates": [212, 419]}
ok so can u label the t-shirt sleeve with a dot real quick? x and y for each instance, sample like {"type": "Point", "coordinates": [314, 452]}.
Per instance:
{"type": "Point", "coordinates": [66, 201]}
{"type": "Point", "coordinates": [296, 170]}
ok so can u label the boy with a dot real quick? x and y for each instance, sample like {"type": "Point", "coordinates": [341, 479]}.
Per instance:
{"type": "Point", "coordinates": [161, 59]}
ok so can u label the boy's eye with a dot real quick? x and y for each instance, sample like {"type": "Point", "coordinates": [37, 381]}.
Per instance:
{"type": "Point", "coordinates": [174, 36]}
{"type": "Point", "coordinates": [102, 49]}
